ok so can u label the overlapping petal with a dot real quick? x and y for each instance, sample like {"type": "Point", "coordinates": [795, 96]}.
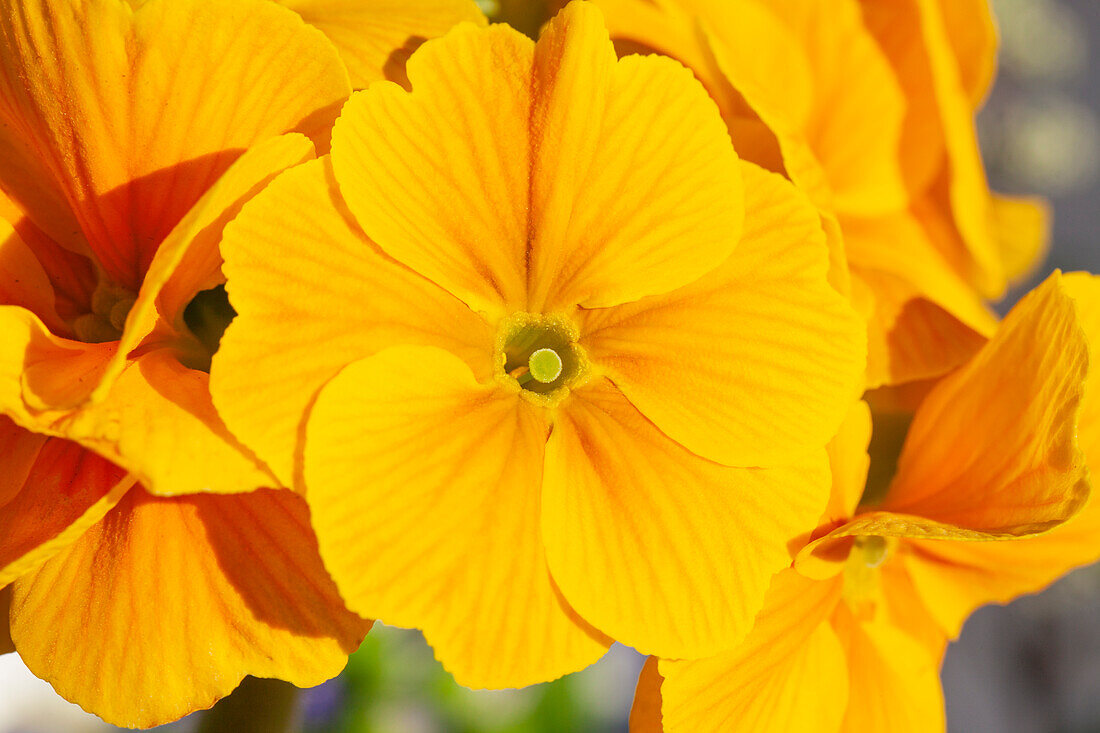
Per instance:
{"type": "Point", "coordinates": [6, 645]}
{"type": "Point", "coordinates": [558, 186]}
{"type": "Point", "coordinates": [117, 118]}
{"type": "Point", "coordinates": [313, 294]}
{"type": "Point", "coordinates": [788, 674]}
{"type": "Point", "coordinates": [65, 489]}
{"type": "Point", "coordinates": [166, 604]}
{"type": "Point", "coordinates": [375, 37]}
{"type": "Point", "coordinates": [662, 550]}
{"type": "Point", "coordinates": [769, 353]}
{"type": "Point", "coordinates": [424, 487]}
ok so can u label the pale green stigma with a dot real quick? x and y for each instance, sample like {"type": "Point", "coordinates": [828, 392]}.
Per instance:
{"type": "Point", "coordinates": [874, 549]}
{"type": "Point", "coordinates": [544, 365]}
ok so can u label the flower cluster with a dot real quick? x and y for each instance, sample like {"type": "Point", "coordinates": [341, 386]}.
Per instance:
{"type": "Point", "coordinates": [530, 345]}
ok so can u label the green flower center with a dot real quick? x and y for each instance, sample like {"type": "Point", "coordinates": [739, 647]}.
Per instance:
{"type": "Point", "coordinates": [541, 355]}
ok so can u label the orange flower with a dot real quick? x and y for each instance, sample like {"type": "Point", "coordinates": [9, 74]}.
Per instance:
{"type": "Point", "coordinates": [851, 637]}
{"type": "Point", "coordinates": [869, 108]}
{"type": "Point", "coordinates": [130, 134]}
{"type": "Point", "coordinates": [524, 296]}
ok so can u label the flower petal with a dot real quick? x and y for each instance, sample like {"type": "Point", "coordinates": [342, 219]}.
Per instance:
{"type": "Point", "coordinates": [123, 119]}
{"type": "Point", "coordinates": [962, 577]}
{"type": "Point", "coordinates": [570, 177]}
{"type": "Point", "coordinates": [450, 545]}
{"type": "Point", "coordinates": [159, 423]}
{"type": "Point", "coordinates": [65, 490]}
{"type": "Point", "coordinates": [673, 568]}
{"type": "Point", "coordinates": [973, 38]}
{"type": "Point", "coordinates": [789, 673]}
{"type": "Point", "coordinates": [894, 683]}
{"type": "Point", "coordinates": [313, 294]}
{"type": "Point", "coordinates": [1022, 228]}
{"type": "Point", "coordinates": [645, 712]}
{"type": "Point", "coordinates": [764, 330]}
{"type": "Point", "coordinates": [374, 37]}
{"type": "Point", "coordinates": [166, 604]}
{"type": "Point", "coordinates": [6, 645]}
{"type": "Point", "coordinates": [993, 446]}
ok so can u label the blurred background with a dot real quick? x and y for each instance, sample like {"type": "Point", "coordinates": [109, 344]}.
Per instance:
{"type": "Point", "coordinates": [1031, 667]}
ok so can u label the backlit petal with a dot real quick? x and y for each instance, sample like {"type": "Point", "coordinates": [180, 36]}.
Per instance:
{"type": "Point", "coordinates": [1022, 228]}
{"type": "Point", "coordinates": [313, 294]}
{"type": "Point", "coordinates": [375, 37]}
{"type": "Point", "coordinates": [789, 674]}
{"type": "Point", "coordinates": [764, 331]}
{"type": "Point", "coordinates": [676, 568]}
{"type": "Point", "coordinates": [425, 487]}
{"type": "Point", "coordinates": [166, 604]}
{"type": "Point", "coordinates": [993, 446]}
{"type": "Point", "coordinates": [123, 116]}
{"type": "Point", "coordinates": [65, 490]}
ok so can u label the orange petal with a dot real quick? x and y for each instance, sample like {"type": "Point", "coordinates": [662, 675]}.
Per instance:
{"type": "Point", "coordinates": [894, 683]}
{"type": "Point", "coordinates": [570, 177]}
{"type": "Point", "coordinates": [765, 331]}
{"type": "Point", "coordinates": [788, 675]}
{"type": "Point", "coordinates": [672, 568]}
{"type": "Point", "coordinates": [973, 38]}
{"type": "Point", "coordinates": [451, 545]}
{"type": "Point", "coordinates": [302, 317]}
{"type": "Point", "coordinates": [375, 37]}
{"type": "Point", "coordinates": [166, 604]}
{"type": "Point", "coordinates": [65, 490]}
{"type": "Point", "coordinates": [993, 446]}
{"type": "Point", "coordinates": [126, 126]}
{"type": "Point", "coordinates": [24, 281]}
{"type": "Point", "coordinates": [926, 320]}
{"type": "Point", "coordinates": [963, 577]}
{"type": "Point", "coordinates": [645, 712]}
{"type": "Point", "coordinates": [159, 423]}
{"type": "Point", "coordinates": [6, 645]}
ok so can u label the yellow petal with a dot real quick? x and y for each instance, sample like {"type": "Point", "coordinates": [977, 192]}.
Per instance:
{"type": "Point", "coordinates": [450, 545]}
{"type": "Point", "coordinates": [23, 279]}
{"type": "Point", "coordinates": [973, 37]}
{"type": "Point", "coordinates": [303, 316]}
{"type": "Point", "coordinates": [993, 446]}
{"type": "Point", "coordinates": [374, 37]}
{"type": "Point", "coordinates": [817, 78]}
{"type": "Point", "coordinates": [159, 423]}
{"type": "Point", "coordinates": [166, 604]}
{"type": "Point", "coordinates": [764, 330]}
{"type": "Point", "coordinates": [963, 577]}
{"type": "Point", "coordinates": [789, 674]}
{"type": "Point", "coordinates": [122, 120]}
{"type": "Point", "coordinates": [926, 319]}
{"type": "Point", "coordinates": [64, 490]}
{"type": "Point", "coordinates": [645, 712]}
{"type": "Point", "coordinates": [894, 682]}
{"type": "Point", "coordinates": [570, 177]}
{"type": "Point", "coordinates": [1022, 229]}
{"type": "Point", "coordinates": [849, 462]}
{"type": "Point", "coordinates": [6, 645]}
{"type": "Point", "coordinates": [673, 568]}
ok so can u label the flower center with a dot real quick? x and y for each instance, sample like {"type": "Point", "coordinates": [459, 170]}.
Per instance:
{"type": "Point", "coordinates": [110, 305]}
{"type": "Point", "coordinates": [207, 316]}
{"type": "Point", "coordinates": [541, 355]}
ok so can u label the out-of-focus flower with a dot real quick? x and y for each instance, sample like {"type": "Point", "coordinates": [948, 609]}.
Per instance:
{"type": "Point", "coordinates": [851, 637]}
{"type": "Point", "coordinates": [131, 132]}
{"type": "Point", "coordinates": [869, 108]}
{"type": "Point", "coordinates": [488, 332]}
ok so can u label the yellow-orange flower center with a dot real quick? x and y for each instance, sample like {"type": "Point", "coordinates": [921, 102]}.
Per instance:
{"type": "Point", "coordinates": [541, 355]}
{"type": "Point", "coordinates": [111, 305]}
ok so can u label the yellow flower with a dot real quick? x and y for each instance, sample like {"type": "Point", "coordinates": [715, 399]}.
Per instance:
{"type": "Point", "coordinates": [851, 637]}
{"type": "Point", "coordinates": [542, 354]}
{"type": "Point", "coordinates": [868, 107]}
{"type": "Point", "coordinates": [131, 132]}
